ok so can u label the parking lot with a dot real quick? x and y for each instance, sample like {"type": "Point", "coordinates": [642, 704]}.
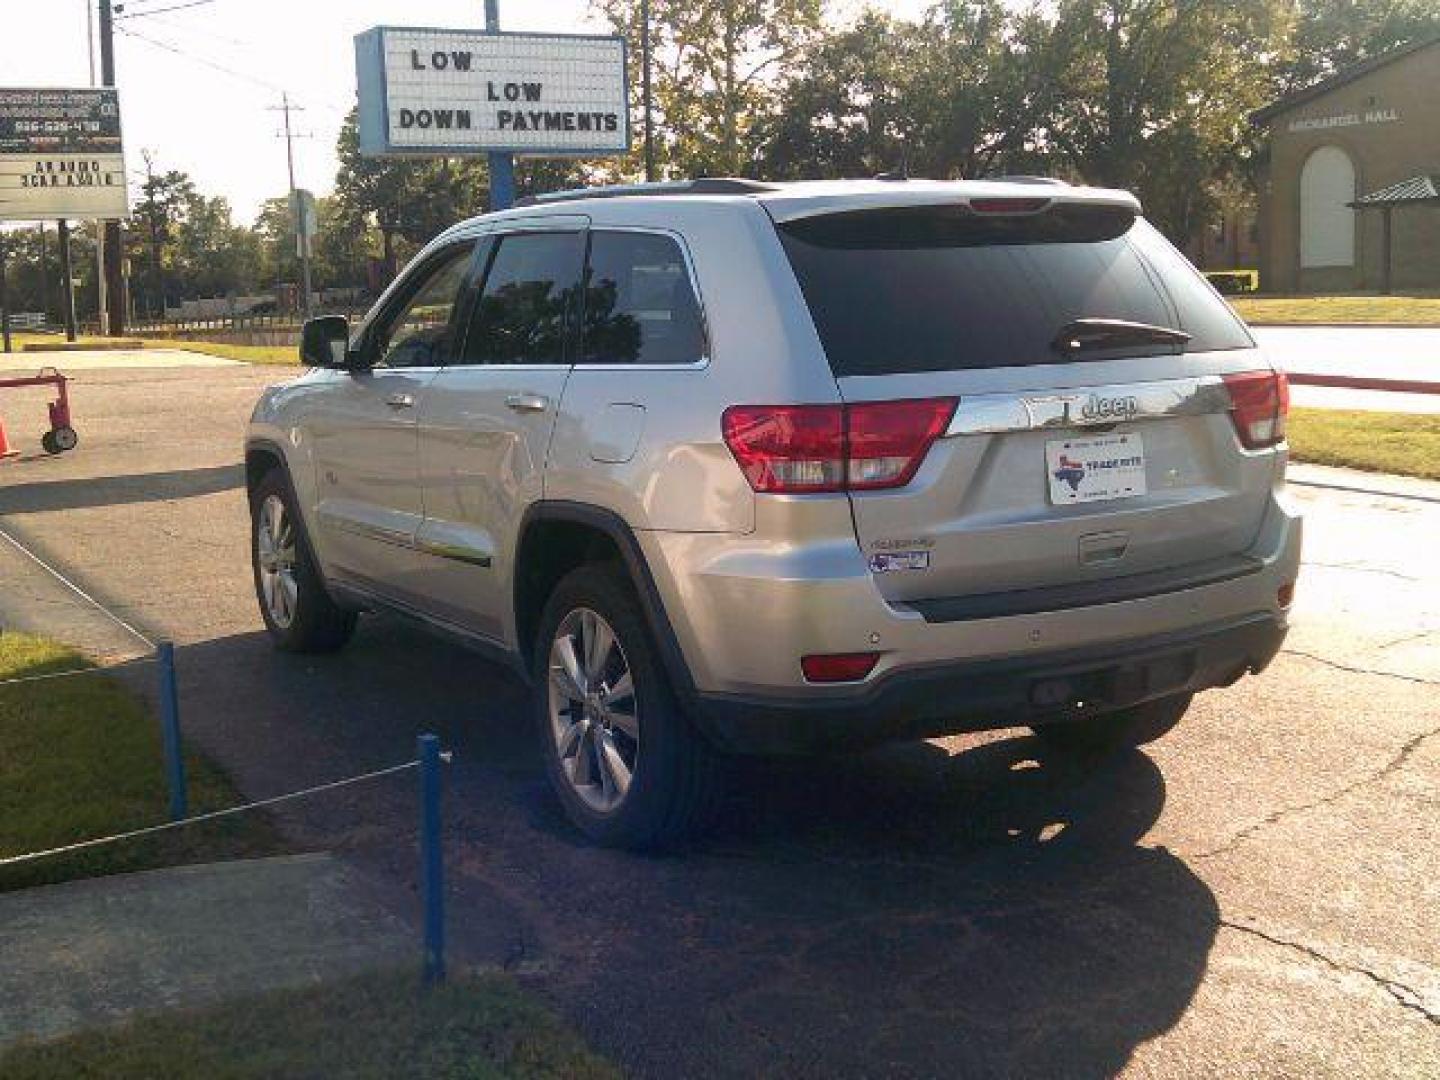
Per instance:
{"type": "Point", "coordinates": [1256, 895]}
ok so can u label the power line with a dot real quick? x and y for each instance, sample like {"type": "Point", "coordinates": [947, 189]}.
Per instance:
{"type": "Point", "coordinates": [189, 54]}
{"type": "Point", "coordinates": [147, 12]}
{"type": "Point", "coordinates": [170, 47]}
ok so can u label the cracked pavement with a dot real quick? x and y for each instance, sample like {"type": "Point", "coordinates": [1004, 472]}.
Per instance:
{"type": "Point", "coordinates": [1256, 895]}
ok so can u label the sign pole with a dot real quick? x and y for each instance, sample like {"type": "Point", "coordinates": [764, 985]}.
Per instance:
{"type": "Point", "coordinates": [113, 255]}
{"type": "Point", "coordinates": [502, 166]}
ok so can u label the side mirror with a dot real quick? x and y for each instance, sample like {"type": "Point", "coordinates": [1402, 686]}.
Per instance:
{"type": "Point", "coordinates": [325, 342]}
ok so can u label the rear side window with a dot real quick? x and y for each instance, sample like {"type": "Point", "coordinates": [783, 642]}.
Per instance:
{"type": "Point", "coordinates": [529, 297]}
{"type": "Point", "coordinates": [940, 288]}
{"type": "Point", "coordinates": [640, 307]}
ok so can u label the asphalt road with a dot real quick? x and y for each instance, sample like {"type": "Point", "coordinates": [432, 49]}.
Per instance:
{"type": "Point", "coordinates": [1254, 896]}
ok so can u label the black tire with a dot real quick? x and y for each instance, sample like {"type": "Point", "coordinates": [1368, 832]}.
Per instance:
{"type": "Point", "coordinates": [675, 785]}
{"type": "Point", "coordinates": [59, 440]}
{"type": "Point", "coordinates": [1120, 730]}
{"type": "Point", "coordinates": [317, 624]}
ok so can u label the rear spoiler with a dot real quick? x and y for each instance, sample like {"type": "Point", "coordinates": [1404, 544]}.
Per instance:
{"type": "Point", "coordinates": [783, 206]}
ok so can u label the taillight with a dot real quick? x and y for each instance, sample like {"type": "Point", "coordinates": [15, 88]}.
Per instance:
{"type": "Point", "coordinates": [827, 448]}
{"type": "Point", "coordinates": [1259, 403]}
{"type": "Point", "coordinates": [788, 447]}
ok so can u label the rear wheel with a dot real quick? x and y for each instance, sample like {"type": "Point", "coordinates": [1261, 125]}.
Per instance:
{"type": "Point", "coordinates": [627, 764]}
{"type": "Point", "coordinates": [297, 610]}
{"type": "Point", "coordinates": [1120, 730]}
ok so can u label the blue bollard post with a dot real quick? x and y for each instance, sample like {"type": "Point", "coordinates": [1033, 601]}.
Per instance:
{"type": "Point", "coordinates": [432, 866]}
{"type": "Point", "coordinates": [170, 728]}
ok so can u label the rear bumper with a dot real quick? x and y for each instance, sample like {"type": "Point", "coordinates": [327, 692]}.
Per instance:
{"type": "Point", "coordinates": [980, 695]}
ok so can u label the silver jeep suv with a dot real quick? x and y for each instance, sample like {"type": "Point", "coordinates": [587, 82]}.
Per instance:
{"type": "Point", "coordinates": [722, 466]}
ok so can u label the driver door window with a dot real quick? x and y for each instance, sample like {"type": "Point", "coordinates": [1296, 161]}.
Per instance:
{"type": "Point", "coordinates": [421, 333]}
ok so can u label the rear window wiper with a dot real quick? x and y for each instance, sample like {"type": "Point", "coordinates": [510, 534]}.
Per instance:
{"type": "Point", "coordinates": [1080, 335]}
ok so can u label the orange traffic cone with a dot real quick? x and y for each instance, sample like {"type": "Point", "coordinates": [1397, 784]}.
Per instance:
{"type": "Point", "coordinates": [5, 448]}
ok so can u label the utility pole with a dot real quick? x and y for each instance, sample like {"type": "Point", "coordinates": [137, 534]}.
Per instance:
{"type": "Point", "coordinates": [67, 273]}
{"type": "Point", "coordinates": [102, 314]}
{"type": "Point", "coordinates": [157, 282]}
{"type": "Point", "coordinates": [4, 296]}
{"type": "Point", "coordinates": [302, 241]}
{"type": "Point", "coordinates": [645, 89]}
{"type": "Point", "coordinates": [112, 264]}
{"type": "Point", "coordinates": [502, 166]}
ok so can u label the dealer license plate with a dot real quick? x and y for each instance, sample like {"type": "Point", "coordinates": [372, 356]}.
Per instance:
{"type": "Point", "coordinates": [1095, 469]}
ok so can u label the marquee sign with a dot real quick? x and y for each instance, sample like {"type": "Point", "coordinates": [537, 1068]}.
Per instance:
{"type": "Point", "coordinates": [60, 154]}
{"type": "Point", "coordinates": [443, 92]}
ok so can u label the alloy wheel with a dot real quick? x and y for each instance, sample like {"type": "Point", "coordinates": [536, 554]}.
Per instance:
{"type": "Point", "coordinates": [594, 718]}
{"type": "Point", "coordinates": [275, 554]}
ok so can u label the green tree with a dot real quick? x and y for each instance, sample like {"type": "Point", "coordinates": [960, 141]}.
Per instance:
{"type": "Point", "coordinates": [719, 66]}
{"type": "Point", "coordinates": [1333, 34]}
{"type": "Point", "coordinates": [953, 96]}
{"type": "Point", "coordinates": [1155, 96]}
{"type": "Point", "coordinates": [409, 200]}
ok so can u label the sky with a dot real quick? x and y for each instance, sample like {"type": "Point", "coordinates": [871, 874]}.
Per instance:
{"type": "Point", "coordinates": [198, 82]}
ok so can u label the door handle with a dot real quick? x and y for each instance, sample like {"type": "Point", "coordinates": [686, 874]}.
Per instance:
{"type": "Point", "coordinates": [527, 402]}
{"type": "Point", "coordinates": [401, 401]}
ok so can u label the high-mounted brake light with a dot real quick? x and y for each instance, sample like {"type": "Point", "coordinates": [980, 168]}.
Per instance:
{"type": "Point", "coordinates": [1259, 404]}
{"type": "Point", "coordinates": [798, 449]}
{"type": "Point", "coordinates": [1008, 206]}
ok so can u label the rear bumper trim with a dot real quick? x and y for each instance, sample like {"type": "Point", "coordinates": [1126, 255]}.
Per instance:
{"type": "Point", "coordinates": [986, 694]}
{"type": "Point", "coordinates": [1087, 594]}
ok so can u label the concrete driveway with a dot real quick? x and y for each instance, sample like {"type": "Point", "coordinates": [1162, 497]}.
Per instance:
{"type": "Point", "coordinates": [1256, 895]}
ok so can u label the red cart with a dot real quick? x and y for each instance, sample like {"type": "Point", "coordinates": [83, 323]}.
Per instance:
{"type": "Point", "coordinates": [61, 436]}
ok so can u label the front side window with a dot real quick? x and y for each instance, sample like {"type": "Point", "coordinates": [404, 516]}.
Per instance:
{"type": "Point", "coordinates": [639, 305]}
{"type": "Point", "coordinates": [529, 298]}
{"type": "Point", "coordinates": [420, 333]}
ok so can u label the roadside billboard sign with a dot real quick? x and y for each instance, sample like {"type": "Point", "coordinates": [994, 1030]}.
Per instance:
{"type": "Point", "coordinates": [428, 92]}
{"type": "Point", "coordinates": [60, 154]}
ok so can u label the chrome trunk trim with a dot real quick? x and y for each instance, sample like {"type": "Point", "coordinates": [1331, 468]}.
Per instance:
{"type": "Point", "coordinates": [1093, 406]}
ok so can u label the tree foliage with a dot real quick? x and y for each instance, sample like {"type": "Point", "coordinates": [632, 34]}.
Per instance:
{"type": "Point", "coordinates": [719, 69]}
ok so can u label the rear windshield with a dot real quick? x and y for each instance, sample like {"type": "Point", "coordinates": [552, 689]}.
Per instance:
{"type": "Point", "coordinates": [939, 288]}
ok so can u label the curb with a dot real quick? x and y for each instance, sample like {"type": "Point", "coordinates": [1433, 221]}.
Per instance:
{"type": "Point", "coordinates": [1360, 382]}
{"type": "Point", "coordinates": [1341, 325]}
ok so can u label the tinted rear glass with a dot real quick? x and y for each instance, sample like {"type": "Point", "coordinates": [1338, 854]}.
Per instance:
{"type": "Point", "coordinates": [939, 288]}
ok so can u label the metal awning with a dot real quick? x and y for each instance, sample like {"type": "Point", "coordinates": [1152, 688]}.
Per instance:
{"type": "Point", "coordinates": [1418, 189]}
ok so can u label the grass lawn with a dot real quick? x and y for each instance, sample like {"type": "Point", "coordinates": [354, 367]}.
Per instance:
{"type": "Point", "coordinates": [374, 1026]}
{"type": "Point", "coordinates": [1406, 310]}
{"type": "Point", "coordinates": [80, 758]}
{"type": "Point", "coordinates": [250, 354]}
{"type": "Point", "coordinates": [1375, 441]}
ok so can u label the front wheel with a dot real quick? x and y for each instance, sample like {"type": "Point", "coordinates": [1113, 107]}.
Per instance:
{"type": "Point", "coordinates": [1120, 730]}
{"type": "Point", "coordinates": [297, 610]}
{"type": "Point", "coordinates": [628, 765]}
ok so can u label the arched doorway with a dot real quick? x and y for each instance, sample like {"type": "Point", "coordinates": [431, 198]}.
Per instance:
{"type": "Point", "coordinates": [1327, 224]}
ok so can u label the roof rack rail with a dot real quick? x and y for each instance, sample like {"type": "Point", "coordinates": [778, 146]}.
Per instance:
{"type": "Point", "coordinates": [1021, 178]}
{"type": "Point", "coordinates": [706, 185]}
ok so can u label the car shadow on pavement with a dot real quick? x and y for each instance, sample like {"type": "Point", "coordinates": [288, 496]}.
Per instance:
{"type": "Point", "coordinates": [42, 496]}
{"type": "Point", "coordinates": [976, 906]}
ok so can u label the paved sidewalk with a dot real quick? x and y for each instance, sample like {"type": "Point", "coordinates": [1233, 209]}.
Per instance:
{"type": "Point", "coordinates": [107, 359]}
{"type": "Point", "coordinates": [85, 953]}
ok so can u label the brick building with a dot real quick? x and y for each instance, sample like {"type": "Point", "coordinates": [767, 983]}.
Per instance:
{"type": "Point", "coordinates": [1372, 127]}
